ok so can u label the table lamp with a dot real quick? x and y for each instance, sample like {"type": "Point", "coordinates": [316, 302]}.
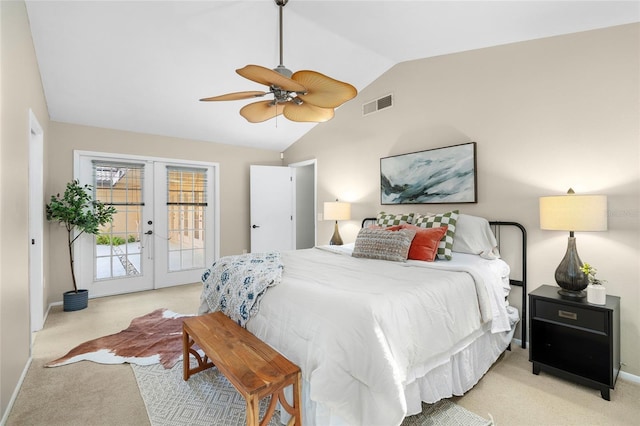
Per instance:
{"type": "Point", "coordinates": [572, 213]}
{"type": "Point", "coordinates": [336, 210]}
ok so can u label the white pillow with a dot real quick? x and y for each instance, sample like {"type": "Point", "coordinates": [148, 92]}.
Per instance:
{"type": "Point", "coordinates": [474, 236]}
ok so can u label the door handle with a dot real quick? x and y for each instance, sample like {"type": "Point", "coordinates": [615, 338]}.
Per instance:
{"type": "Point", "coordinates": [149, 232]}
{"type": "Point", "coordinates": [255, 226]}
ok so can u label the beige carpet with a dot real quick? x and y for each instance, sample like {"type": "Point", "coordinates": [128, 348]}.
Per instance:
{"type": "Point", "coordinates": [86, 393]}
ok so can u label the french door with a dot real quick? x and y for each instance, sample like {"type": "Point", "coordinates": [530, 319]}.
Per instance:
{"type": "Point", "coordinates": [165, 231]}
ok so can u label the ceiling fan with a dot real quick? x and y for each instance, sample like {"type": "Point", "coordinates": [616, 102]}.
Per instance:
{"type": "Point", "coordinates": [303, 96]}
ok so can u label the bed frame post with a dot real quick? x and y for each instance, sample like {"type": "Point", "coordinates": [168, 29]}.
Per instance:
{"type": "Point", "coordinates": [519, 283]}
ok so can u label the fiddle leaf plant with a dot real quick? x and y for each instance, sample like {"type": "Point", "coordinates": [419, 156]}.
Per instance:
{"type": "Point", "coordinates": [79, 213]}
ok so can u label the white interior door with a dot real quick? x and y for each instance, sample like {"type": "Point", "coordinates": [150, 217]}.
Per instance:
{"type": "Point", "coordinates": [36, 221]}
{"type": "Point", "coordinates": [272, 208]}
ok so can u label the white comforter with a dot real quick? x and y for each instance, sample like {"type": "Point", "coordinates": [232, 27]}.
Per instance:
{"type": "Point", "coordinates": [361, 330]}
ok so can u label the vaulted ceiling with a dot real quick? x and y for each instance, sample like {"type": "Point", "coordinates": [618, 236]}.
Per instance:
{"type": "Point", "coordinates": [142, 66]}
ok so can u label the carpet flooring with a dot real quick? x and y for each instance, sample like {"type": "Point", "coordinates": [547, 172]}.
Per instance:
{"type": "Point", "coordinates": [86, 393]}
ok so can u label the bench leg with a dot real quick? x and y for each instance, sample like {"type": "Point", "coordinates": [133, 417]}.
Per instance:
{"type": "Point", "coordinates": [187, 349]}
{"type": "Point", "coordinates": [297, 398]}
{"type": "Point", "coordinates": [185, 355]}
{"type": "Point", "coordinates": [253, 411]}
{"type": "Point", "coordinates": [294, 410]}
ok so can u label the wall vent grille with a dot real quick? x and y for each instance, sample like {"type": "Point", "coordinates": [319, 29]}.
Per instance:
{"type": "Point", "coordinates": [377, 105]}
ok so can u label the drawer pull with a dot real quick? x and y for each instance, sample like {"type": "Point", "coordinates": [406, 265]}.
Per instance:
{"type": "Point", "coordinates": [567, 315]}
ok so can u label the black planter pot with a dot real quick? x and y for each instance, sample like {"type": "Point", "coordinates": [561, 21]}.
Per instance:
{"type": "Point", "coordinates": [72, 301]}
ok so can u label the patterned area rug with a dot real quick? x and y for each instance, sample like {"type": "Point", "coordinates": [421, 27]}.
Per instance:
{"type": "Point", "coordinates": [207, 398]}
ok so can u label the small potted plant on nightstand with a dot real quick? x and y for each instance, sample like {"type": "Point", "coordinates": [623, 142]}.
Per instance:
{"type": "Point", "coordinates": [79, 213]}
{"type": "Point", "coordinates": [596, 291]}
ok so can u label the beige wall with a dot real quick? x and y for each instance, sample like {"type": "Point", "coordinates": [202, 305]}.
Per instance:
{"type": "Point", "coordinates": [547, 115]}
{"type": "Point", "coordinates": [234, 181]}
{"type": "Point", "coordinates": [21, 89]}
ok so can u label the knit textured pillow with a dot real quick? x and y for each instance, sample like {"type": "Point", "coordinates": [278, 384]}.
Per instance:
{"type": "Point", "coordinates": [383, 244]}
{"type": "Point", "coordinates": [435, 221]}
{"type": "Point", "coordinates": [390, 219]}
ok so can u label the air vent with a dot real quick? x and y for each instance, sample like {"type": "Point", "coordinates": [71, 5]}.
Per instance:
{"type": "Point", "coordinates": [377, 105]}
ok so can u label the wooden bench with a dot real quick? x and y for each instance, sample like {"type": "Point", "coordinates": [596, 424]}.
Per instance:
{"type": "Point", "coordinates": [254, 368]}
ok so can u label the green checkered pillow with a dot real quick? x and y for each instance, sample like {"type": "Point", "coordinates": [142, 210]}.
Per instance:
{"type": "Point", "coordinates": [390, 219]}
{"type": "Point", "coordinates": [435, 221]}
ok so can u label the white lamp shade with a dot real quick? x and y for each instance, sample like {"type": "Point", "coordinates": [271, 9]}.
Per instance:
{"type": "Point", "coordinates": [574, 212]}
{"type": "Point", "coordinates": [337, 210]}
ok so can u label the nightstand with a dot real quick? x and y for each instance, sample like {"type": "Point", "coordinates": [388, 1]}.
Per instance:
{"type": "Point", "coordinates": [574, 339]}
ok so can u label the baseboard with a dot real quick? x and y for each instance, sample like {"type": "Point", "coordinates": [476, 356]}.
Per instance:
{"type": "Point", "coordinates": [629, 377]}
{"type": "Point", "coordinates": [5, 416]}
{"type": "Point", "coordinates": [26, 368]}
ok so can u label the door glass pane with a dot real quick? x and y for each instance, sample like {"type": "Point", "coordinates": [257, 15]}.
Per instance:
{"type": "Point", "coordinates": [186, 205]}
{"type": "Point", "coordinates": [118, 245]}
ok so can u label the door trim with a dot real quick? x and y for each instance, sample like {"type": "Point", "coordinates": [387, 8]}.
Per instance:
{"type": "Point", "coordinates": [313, 163]}
{"type": "Point", "coordinates": [36, 222]}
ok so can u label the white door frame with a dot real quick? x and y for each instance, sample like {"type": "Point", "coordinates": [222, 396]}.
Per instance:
{"type": "Point", "coordinates": [36, 223]}
{"type": "Point", "coordinates": [313, 163]}
{"type": "Point", "coordinates": [215, 252]}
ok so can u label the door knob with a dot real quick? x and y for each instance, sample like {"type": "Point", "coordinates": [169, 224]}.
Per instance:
{"type": "Point", "coordinates": [255, 226]}
{"type": "Point", "coordinates": [149, 232]}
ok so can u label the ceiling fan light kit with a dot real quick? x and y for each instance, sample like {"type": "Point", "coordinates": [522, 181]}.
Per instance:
{"type": "Point", "coordinates": [303, 96]}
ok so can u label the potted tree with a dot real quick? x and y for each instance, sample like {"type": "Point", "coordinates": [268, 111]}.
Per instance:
{"type": "Point", "coordinates": [79, 213]}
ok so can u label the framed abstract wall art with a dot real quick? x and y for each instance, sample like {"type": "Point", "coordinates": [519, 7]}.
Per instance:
{"type": "Point", "coordinates": [435, 176]}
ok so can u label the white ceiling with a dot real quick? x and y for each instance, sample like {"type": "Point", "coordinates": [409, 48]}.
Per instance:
{"type": "Point", "coordinates": [142, 66]}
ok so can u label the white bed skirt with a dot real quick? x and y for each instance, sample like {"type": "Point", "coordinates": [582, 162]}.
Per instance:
{"type": "Point", "coordinates": [455, 376]}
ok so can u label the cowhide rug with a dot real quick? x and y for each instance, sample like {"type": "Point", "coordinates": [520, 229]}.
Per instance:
{"type": "Point", "coordinates": [150, 339]}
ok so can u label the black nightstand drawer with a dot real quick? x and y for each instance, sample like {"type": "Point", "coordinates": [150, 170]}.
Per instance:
{"type": "Point", "coordinates": [571, 315]}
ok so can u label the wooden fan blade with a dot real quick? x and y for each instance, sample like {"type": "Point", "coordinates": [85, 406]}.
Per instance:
{"type": "Point", "coordinates": [307, 113]}
{"type": "Point", "coordinates": [235, 96]}
{"type": "Point", "coordinates": [260, 111]}
{"type": "Point", "coordinates": [269, 77]}
{"type": "Point", "coordinates": [324, 91]}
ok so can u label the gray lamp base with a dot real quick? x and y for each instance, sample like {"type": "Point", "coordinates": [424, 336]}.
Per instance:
{"type": "Point", "coordinates": [336, 240]}
{"type": "Point", "coordinates": [572, 294]}
{"type": "Point", "coordinates": [569, 276]}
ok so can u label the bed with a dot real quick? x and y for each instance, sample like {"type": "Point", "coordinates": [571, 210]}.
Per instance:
{"type": "Point", "coordinates": [374, 338]}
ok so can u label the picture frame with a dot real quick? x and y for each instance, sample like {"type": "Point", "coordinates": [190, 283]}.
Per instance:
{"type": "Point", "coordinates": [446, 175]}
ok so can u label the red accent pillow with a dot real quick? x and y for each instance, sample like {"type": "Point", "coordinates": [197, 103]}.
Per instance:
{"type": "Point", "coordinates": [425, 244]}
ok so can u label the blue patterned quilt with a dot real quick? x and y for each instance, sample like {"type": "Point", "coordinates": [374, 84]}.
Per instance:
{"type": "Point", "coordinates": [235, 284]}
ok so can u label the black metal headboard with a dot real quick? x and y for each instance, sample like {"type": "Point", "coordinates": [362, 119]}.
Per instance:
{"type": "Point", "coordinates": [496, 226]}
